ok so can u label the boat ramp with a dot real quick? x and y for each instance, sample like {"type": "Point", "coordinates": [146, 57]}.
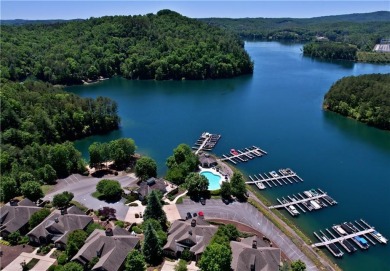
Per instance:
{"type": "Point", "coordinates": [349, 235]}
{"type": "Point", "coordinates": [274, 179]}
{"type": "Point", "coordinates": [244, 155]}
{"type": "Point", "coordinates": [206, 142]}
{"type": "Point", "coordinates": [313, 199]}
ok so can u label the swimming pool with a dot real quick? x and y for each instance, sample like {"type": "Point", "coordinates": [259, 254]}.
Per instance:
{"type": "Point", "coordinates": [214, 179]}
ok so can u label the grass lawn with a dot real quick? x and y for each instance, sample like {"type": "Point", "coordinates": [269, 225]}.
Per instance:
{"type": "Point", "coordinates": [97, 195]}
{"type": "Point", "coordinates": [31, 264]}
{"type": "Point", "coordinates": [47, 188]}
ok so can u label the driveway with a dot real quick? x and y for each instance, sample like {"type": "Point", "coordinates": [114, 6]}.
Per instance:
{"type": "Point", "coordinates": [42, 265]}
{"type": "Point", "coordinates": [82, 187]}
{"type": "Point", "coordinates": [247, 214]}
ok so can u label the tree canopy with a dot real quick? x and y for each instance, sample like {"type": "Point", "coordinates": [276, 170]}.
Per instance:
{"type": "Point", "coordinates": [135, 261]}
{"type": "Point", "coordinates": [365, 98]}
{"type": "Point", "coordinates": [216, 257]}
{"type": "Point", "coordinates": [151, 249]}
{"type": "Point", "coordinates": [109, 189]}
{"type": "Point", "coordinates": [196, 184]}
{"type": "Point", "coordinates": [181, 163]}
{"type": "Point", "coordinates": [237, 184]}
{"type": "Point", "coordinates": [154, 209]}
{"type": "Point", "coordinates": [158, 46]}
{"type": "Point", "coordinates": [63, 199]}
{"type": "Point", "coordinates": [37, 217]}
{"type": "Point", "coordinates": [145, 168]}
{"type": "Point", "coordinates": [32, 190]}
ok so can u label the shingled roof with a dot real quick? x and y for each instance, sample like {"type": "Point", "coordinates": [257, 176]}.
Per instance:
{"type": "Point", "coordinates": [16, 215]}
{"type": "Point", "coordinates": [152, 184]}
{"type": "Point", "coordinates": [56, 227]}
{"type": "Point", "coordinates": [248, 255]}
{"type": "Point", "coordinates": [193, 234]}
{"type": "Point", "coordinates": [111, 247]}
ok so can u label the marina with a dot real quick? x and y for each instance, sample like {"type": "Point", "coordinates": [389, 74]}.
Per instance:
{"type": "Point", "coordinates": [345, 234]}
{"type": "Point", "coordinates": [206, 142]}
{"type": "Point", "coordinates": [313, 200]}
{"type": "Point", "coordinates": [238, 156]}
{"type": "Point", "coordinates": [273, 179]}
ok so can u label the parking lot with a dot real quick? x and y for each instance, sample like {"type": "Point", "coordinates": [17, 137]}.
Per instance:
{"type": "Point", "coordinates": [247, 214]}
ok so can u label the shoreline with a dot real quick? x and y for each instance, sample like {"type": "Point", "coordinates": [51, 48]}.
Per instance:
{"type": "Point", "coordinates": [291, 231]}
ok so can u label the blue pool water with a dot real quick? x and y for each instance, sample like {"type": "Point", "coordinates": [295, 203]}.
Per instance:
{"type": "Point", "coordinates": [213, 179]}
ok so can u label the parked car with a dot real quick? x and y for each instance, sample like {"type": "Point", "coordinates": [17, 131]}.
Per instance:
{"type": "Point", "coordinates": [202, 201]}
{"type": "Point", "coordinates": [188, 215]}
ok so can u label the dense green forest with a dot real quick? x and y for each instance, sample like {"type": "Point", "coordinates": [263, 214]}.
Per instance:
{"type": "Point", "coordinates": [162, 46]}
{"type": "Point", "coordinates": [37, 120]}
{"type": "Point", "coordinates": [362, 30]}
{"type": "Point", "coordinates": [330, 50]}
{"type": "Point", "coordinates": [365, 98]}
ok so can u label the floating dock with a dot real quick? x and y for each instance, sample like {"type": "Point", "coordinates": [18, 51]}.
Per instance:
{"type": "Point", "coordinates": [244, 155]}
{"type": "Point", "coordinates": [313, 200]}
{"type": "Point", "coordinates": [206, 142]}
{"type": "Point", "coordinates": [273, 179]}
{"type": "Point", "coordinates": [347, 234]}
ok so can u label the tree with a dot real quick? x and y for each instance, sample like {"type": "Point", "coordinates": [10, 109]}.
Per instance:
{"type": "Point", "coordinates": [8, 189]}
{"type": "Point", "coordinates": [26, 177]}
{"type": "Point", "coordinates": [151, 248]}
{"type": "Point", "coordinates": [216, 257]}
{"type": "Point", "coordinates": [186, 255]}
{"type": "Point", "coordinates": [298, 266]}
{"type": "Point", "coordinates": [73, 266]}
{"type": "Point", "coordinates": [93, 226]}
{"type": "Point", "coordinates": [135, 261]}
{"type": "Point", "coordinates": [237, 183]}
{"type": "Point", "coordinates": [226, 190]}
{"type": "Point", "coordinates": [230, 231]}
{"type": "Point", "coordinates": [196, 184]}
{"type": "Point", "coordinates": [13, 238]}
{"type": "Point", "coordinates": [181, 163]}
{"type": "Point", "coordinates": [161, 234]}
{"type": "Point", "coordinates": [121, 150]}
{"type": "Point", "coordinates": [37, 217]}
{"type": "Point", "coordinates": [145, 168]}
{"type": "Point", "coordinates": [107, 212]}
{"type": "Point", "coordinates": [154, 209]}
{"type": "Point", "coordinates": [76, 240]}
{"type": "Point", "coordinates": [47, 174]}
{"type": "Point", "coordinates": [63, 199]}
{"type": "Point", "coordinates": [110, 189]}
{"type": "Point", "coordinates": [32, 190]}
{"type": "Point", "coordinates": [95, 154]}
{"type": "Point", "coordinates": [181, 265]}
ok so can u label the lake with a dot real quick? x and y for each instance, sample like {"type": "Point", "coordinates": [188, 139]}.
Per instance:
{"type": "Point", "coordinates": [278, 109]}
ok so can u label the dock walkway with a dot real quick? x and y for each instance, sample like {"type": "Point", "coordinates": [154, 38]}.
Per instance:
{"type": "Point", "coordinates": [238, 156]}
{"type": "Point", "coordinates": [271, 179]}
{"type": "Point", "coordinates": [206, 142]}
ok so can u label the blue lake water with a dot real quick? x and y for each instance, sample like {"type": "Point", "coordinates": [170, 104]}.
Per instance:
{"type": "Point", "coordinates": [278, 109]}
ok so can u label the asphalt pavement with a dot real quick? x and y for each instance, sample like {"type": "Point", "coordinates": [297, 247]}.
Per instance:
{"type": "Point", "coordinates": [247, 214]}
{"type": "Point", "coordinates": [82, 187]}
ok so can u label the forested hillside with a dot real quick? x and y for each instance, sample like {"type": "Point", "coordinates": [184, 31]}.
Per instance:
{"type": "Point", "coordinates": [365, 98]}
{"type": "Point", "coordinates": [162, 46]}
{"type": "Point", "coordinates": [36, 121]}
{"type": "Point", "coordinates": [362, 30]}
{"type": "Point", "coordinates": [330, 50]}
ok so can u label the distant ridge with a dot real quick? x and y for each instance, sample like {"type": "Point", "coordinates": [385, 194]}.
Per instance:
{"type": "Point", "coordinates": [23, 22]}
{"type": "Point", "coordinates": [377, 16]}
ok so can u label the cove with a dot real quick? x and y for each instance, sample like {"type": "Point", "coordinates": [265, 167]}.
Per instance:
{"type": "Point", "coordinates": [278, 108]}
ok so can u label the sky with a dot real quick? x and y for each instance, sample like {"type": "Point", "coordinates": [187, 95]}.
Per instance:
{"type": "Point", "coordinates": [72, 9]}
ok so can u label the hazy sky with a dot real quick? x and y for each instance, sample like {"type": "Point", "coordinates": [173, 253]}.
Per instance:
{"type": "Point", "coordinates": [55, 9]}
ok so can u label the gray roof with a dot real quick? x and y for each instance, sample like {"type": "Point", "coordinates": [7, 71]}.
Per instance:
{"type": "Point", "coordinates": [113, 249]}
{"type": "Point", "coordinates": [205, 158]}
{"type": "Point", "coordinates": [58, 226]}
{"type": "Point", "coordinates": [182, 235]}
{"type": "Point", "coordinates": [154, 184]}
{"type": "Point", "coordinates": [263, 258]}
{"type": "Point", "coordinates": [12, 218]}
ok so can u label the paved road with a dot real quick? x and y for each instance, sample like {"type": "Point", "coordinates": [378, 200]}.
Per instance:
{"type": "Point", "coordinates": [82, 187]}
{"type": "Point", "coordinates": [247, 214]}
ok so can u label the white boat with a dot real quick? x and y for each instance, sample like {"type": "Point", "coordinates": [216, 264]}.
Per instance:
{"type": "Point", "coordinates": [315, 205]}
{"type": "Point", "coordinates": [379, 237]}
{"type": "Point", "coordinates": [274, 174]}
{"type": "Point", "coordinates": [260, 185]}
{"type": "Point", "coordinates": [308, 194]}
{"type": "Point", "coordinates": [340, 230]}
{"type": "Point", "coordinates": [293, 210]}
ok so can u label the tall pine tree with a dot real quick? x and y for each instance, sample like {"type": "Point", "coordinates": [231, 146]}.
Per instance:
{"type": "Point", "coordinates": [154, 209]}
{"type": "Point", "coordinates": [151, 249]}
